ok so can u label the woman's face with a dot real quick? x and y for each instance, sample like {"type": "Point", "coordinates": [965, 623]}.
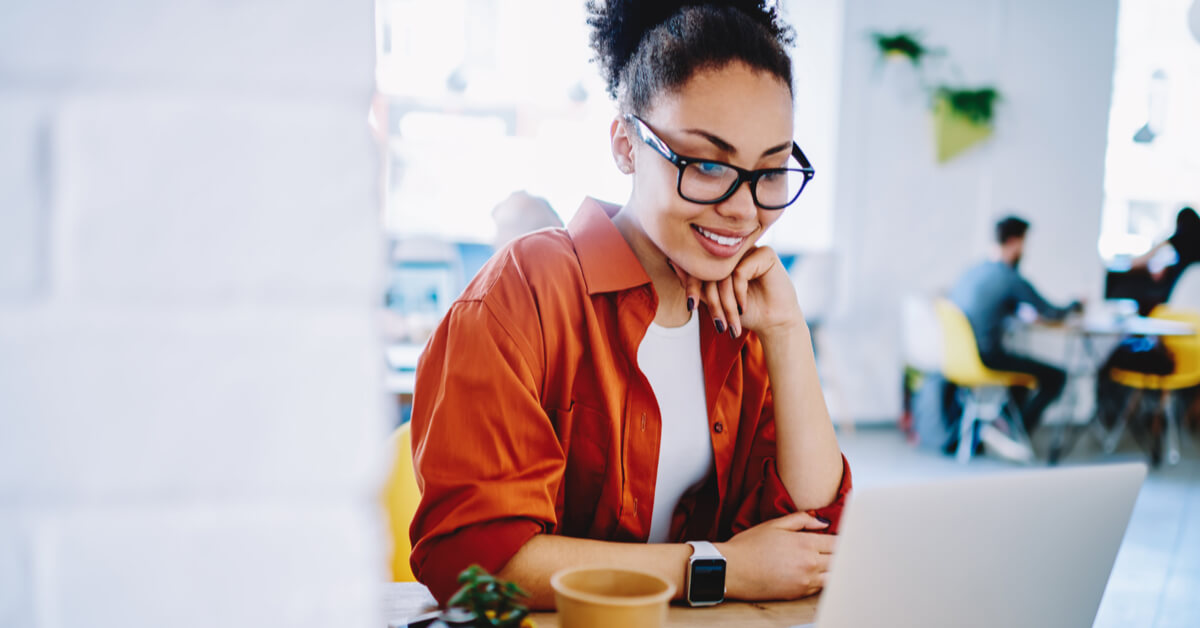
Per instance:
{"type": "Point", "coordinates": [736, 115]}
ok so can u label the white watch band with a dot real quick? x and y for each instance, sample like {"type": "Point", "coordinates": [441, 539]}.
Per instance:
{"type": "Point", "coordinates": [704, 549]}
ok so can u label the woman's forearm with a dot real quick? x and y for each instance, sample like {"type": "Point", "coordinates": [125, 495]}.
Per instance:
{"type": "Point", "coordinates": [532, 565]}
{"type": "Point", "coordinates": [1143, 260]}
{"type": "Point", "coordinates": [809, 460]}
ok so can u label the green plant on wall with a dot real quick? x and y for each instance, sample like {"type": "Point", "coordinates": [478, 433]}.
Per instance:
{"type": "Point", "coordinates": [976, 105]}
{"type": "Point", "coordinates": [962, 118]}
{"type": "Point", "coordinates": [901, 44]}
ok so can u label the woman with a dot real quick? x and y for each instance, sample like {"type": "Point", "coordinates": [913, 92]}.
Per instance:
{"type": "Point", "coordinates": [603, 393]}
{"type": "Point", "coordinates": [1186, 242]}
{"type": "Point", "coordinates": [1143, 353]}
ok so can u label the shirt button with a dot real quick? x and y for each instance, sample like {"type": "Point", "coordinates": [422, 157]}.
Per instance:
{"type": "Point", "coordinates": [718, 427]}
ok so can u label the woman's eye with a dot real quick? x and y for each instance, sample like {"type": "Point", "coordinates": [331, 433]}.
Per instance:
{"type": "Point", "coordinates": [712, 169]}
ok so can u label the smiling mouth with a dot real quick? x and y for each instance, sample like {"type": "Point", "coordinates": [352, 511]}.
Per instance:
{"type": "Point", "coordinates": [720, 239]}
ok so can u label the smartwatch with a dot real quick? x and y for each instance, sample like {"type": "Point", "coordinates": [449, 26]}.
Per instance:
{"type": "Point", "coordinates": [705, 575]}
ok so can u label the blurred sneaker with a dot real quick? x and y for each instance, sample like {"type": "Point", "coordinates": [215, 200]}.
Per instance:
{"type": "Point", "coordinates": [1002, 445]}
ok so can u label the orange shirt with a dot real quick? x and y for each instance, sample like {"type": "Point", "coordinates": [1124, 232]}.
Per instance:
{"type": "Point", "coordinates": [531, 415]}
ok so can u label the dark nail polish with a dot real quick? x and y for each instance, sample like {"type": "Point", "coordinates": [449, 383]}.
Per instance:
{"type": "Point", "coordinates": [691, 303]}
{"type": "Point", "coordinates": [739, 310]}
{"type": "Point", "coordinates": [720, 326]}
{"type": "Point", "coordinates": [731, 334]}
{"type": "Point", "coordinates": [821, 519]}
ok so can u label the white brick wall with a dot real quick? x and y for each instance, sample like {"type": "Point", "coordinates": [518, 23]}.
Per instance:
{"type": "Point", "coordinates": [244, 46]}
{"type": "Point", "coordinates": [23, 147]}
{"type": "Point", "coordinates": [16, 572]}
{"type": "Point", "coordinates": [191, 414]}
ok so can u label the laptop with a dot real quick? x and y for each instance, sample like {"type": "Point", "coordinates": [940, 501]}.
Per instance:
{"type": "Point", "coordinates": [1015, 549]}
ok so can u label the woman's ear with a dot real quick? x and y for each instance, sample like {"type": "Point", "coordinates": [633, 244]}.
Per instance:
{"type": "Point", "coordinates": [622, 146]}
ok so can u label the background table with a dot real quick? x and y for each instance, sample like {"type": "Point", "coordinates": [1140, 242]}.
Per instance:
{"type": "Point", "coordinates": [408, 599]}
{"type": "Point", "coordinates": [1083, 360]}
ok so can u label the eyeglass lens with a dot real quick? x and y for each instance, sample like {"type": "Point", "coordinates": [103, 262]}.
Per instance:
{"type": "Point", "coordinates": [706, 181]}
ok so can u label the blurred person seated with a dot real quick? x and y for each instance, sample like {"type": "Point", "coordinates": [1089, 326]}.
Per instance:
{"type": "Point", "coordinates": [522, 213]}
{"type": "Point", "coordinates": [1151, 277]}
{"type": "Point", "coordinates": [1186, 243]}
{"type": "Point", "coordinates": [1150, 285]}
{"type": "Point", "coordinates": [988, 294]}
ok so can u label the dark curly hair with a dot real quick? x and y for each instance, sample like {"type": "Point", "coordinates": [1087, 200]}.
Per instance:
{"type": "Point", "coordinates": [646, 47]}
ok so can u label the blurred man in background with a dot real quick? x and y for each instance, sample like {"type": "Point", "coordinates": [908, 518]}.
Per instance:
{"type": "Point", "coordinates": [988, 294]}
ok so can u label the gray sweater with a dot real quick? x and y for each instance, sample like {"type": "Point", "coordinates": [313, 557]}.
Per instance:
{"type": "Point", "coordinates": [988, 293]}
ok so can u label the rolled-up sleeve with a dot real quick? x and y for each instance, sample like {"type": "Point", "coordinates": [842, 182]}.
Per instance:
{"type": "Point", "coordinates": [766, 496]}
{"type": "Point", "coordinates": [486, 455]}
{"type": "Point", "coordinates": [770, 499]}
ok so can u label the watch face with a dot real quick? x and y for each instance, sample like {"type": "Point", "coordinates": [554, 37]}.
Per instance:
{"type": "Point", "coordinates": [708, 580]}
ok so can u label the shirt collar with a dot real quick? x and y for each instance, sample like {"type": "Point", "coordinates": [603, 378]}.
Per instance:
{"type": "Point", "coordinates": [608, 264]}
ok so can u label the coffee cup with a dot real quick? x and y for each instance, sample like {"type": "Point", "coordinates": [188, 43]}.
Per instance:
{"type": "Point", "coordinates": [602, 597]}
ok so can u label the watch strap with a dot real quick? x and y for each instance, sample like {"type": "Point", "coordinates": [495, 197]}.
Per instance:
{"type": "Point", "coordinates": [704, 549]}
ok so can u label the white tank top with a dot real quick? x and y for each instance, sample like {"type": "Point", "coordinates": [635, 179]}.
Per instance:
{"type": "Point", "coordinates": [670, 359]}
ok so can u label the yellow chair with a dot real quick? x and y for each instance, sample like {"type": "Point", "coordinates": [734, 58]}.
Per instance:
{"type": "Point", "coordinates": [400, 497]}
{"type": "Point", "coordinates": [984, 391]}
{"type": "Point", "coordinates": [1185, 350]}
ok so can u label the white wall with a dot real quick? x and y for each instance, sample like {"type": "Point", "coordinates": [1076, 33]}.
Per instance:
{"type": "Point", "coordinates": [816, 69]}
{"type": "Point", "coordinates": [904, 224]}
{"type": "Point", "coordinates": [190, 416]}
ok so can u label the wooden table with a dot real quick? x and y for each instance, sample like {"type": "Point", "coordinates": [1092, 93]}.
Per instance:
{"type": "Point", "coordinates": [408, 599]}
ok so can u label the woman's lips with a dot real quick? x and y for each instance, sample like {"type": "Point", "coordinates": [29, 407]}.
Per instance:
{"type": "Point", "coordinates": [719, 243]}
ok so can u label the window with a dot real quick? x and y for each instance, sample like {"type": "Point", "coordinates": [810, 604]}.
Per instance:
{"type": "Point", "coordinates": [1154, 133]}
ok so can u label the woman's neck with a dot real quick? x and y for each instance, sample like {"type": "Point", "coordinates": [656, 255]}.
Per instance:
{"type": "Point", "coordinates": [672, 301]}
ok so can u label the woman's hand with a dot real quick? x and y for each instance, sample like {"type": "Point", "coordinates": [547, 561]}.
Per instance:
{"type": "Point", "coordinates": [758, 295]}
{"type": "Point", "coordinates": [780, 559]}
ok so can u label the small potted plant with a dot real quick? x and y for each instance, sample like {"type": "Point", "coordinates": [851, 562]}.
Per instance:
{"type": "Point", "coordinates": [485, 601]}
{"type": "Point", "coordinates": [901, 45]}
{"type": "Point", "coordinates": [962, 117]}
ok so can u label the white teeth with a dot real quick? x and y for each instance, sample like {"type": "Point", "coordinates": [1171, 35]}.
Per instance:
{"type": "Point", "coordinates": [719, 239]}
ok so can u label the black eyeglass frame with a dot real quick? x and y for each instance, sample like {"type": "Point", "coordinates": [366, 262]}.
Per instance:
{"type": "Point", "coordinates": [681, 162]}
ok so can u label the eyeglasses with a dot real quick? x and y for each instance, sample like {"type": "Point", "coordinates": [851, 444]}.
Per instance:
{"type": "Point", "coordinates": [709, 182]}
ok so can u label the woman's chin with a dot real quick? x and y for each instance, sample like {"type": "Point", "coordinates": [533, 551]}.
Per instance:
{"type": "Point", "coordinates": [710, 270]}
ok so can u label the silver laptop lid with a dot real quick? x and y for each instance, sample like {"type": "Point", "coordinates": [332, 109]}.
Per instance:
{"type": "Point", "coordinates": [1021, 548]}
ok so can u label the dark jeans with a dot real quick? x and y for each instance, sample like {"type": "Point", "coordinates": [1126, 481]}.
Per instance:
{"type": "Point", "coordinates": [1051, 381]}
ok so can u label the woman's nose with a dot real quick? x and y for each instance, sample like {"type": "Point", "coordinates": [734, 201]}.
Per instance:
{"type": "Point", "coordinates": [740, 205]}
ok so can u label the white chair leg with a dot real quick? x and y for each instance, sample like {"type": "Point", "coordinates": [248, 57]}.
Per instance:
{"type": "Point", "coordinates": [1113, 437]}
{"type": "Point", "coordinates": [1172, 432]}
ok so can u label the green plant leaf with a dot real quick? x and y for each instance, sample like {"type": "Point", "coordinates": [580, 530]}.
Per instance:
{"type": "Point", "coordinates": [482, 593]}
{"type": "Point", "coordinates": [902, 43]}
{"type": "Point", "coordinates": [976, 105]}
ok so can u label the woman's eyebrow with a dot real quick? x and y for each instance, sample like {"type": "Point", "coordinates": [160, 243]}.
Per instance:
{"type": "Point", "coordinates": [728, 148]}
{"type": "Point", "coordinates": [777, 149]}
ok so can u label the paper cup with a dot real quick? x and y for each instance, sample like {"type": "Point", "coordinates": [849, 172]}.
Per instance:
{"type": "Point", "coordinates": [603, 597]}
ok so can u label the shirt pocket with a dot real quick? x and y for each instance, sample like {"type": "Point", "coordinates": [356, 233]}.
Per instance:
{"type": "Point", "coordinates": [584, 509]}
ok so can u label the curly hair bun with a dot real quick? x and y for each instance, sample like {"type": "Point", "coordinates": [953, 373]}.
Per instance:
{"type": "Point", "coordinates": [619, 26]}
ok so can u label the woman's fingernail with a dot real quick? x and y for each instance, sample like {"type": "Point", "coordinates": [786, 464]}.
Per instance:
{"type": "Point", "coordinates": [720, 326]}
{"type": "Point", "coordinates": [691, 303]}
{"type": "Point", "coordinates": [739, 310]}
{"type": "Point", "coordinates": [731, 334]}
{"type": "Point", "coordinates": [821, 519]}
